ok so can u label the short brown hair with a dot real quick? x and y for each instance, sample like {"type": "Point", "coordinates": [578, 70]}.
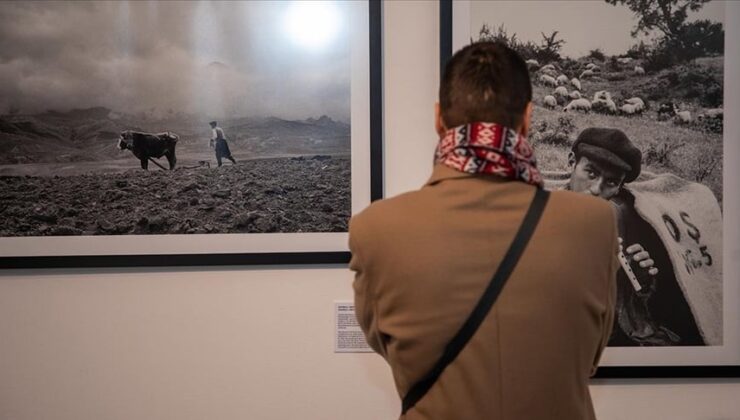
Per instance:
{"type": "Point", "coordinates": [485, 82]}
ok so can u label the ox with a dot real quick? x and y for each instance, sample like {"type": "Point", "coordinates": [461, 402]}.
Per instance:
{"type": "Point", "coordinates": [146, 146]}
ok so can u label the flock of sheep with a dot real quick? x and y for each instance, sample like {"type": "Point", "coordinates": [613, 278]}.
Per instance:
{"type": "Point", "coordinates": [602, 102]}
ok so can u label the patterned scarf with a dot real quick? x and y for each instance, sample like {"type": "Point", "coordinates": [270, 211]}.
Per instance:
{"type": "Point", "coordinates": [489, 148]}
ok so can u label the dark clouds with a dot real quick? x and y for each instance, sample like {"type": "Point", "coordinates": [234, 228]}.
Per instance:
{"type": "Point", "coordinates": [214, 59]}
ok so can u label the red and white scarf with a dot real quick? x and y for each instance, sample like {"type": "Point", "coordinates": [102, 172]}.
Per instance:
{"type": "Point", "coordinates": [489, 148]}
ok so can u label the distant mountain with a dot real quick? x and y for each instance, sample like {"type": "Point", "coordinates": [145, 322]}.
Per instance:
{"type": "Point", "coordinates": [216, 65]}
{"type": "Point", "coordinates": [272, 135]}
{"type": "Point", "coordinates": [97, 113]}
{"type": "Point", "coordinates": [325, 121]}
{"type": "Point", "coordinates": [90, 135]}
{"type": "Point", "coordinates": [53, 136]}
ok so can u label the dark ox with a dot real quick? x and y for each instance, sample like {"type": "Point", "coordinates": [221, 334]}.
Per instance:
{"type": "Point", "coordinates": [146, 146]}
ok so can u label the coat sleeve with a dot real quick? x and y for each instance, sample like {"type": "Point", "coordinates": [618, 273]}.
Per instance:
{"type": "Point", "coordinates": [610, 295]}
{"type": "Point", "coordinates": [364, 287]}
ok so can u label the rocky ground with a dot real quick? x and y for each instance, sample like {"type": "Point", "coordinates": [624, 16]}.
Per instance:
{"type": "Point", "coordinates": [299, 194]}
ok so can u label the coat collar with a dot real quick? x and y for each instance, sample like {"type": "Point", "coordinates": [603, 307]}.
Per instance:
{"type": "Point", "coordinates": [442, 172]}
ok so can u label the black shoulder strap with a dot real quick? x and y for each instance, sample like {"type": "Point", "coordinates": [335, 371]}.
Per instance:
{"type": "Point", "coordinates": [476, 317]}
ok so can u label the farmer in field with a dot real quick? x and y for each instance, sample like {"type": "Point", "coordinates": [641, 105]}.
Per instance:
{"type": "Point", "coordinates": [218, 141]}
{"type": "Point", "coordinates": [652, 306]}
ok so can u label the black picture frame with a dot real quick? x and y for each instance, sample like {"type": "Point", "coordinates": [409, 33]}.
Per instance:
{"type": "Point", "coordinates": [616, 372]}
{"type": "Point", "coordinates": [255, 258]}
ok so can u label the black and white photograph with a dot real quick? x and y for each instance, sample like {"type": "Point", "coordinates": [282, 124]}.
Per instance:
{"type": "Point", "coordinates": [168, 121]}
{"type": "Point", "coordinates": [629, 106]}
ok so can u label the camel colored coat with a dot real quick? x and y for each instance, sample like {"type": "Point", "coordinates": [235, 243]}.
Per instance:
{"type": "Point", "coordinates": [422, 261]}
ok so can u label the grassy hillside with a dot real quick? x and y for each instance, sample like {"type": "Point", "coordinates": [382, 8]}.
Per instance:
{"type": "Point", "coordinates": [691, 151]}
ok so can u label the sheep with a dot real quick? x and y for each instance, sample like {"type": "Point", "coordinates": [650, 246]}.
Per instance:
{"type": "Point", "coordinates": [602, 95]}
{"type": "Point", "coordinates": [639, 70]}
{"type": "Point", "coordinates": [550, 72]}
{"type": "Point", "coordinates": [550, 102]}
{"type": "Point", "coordinates": [603, 103]}
{"type": "Point", "coordinates": [628, 109]}
{"type": "Point", "coordinates": [604, 106]}
{"type": "Point", "coordinates": [578, 105]}
{"type": "Point", "coordinates": [548, 80]}
{"type": "Point", "coordinates": [561, 94]}
{"type": "Point", "coordinates": [611, 106]}
{"type": "Point", "coordinates": [681, 117]}
{"type": "Point", "coordinates": [575, 95]}
{"type": "Point", "coordinates": [585, 74]}
{"type": "Point", "coordinates": [549, 69]}
{"type": "Point", "coordinates": [637, 102]}
{"type": "Point", "coordinates": [562, 79]}
{"type": "Point", "coordinates": [532, 64]}
{"type": "Point", "coordinates": [576, 83]}
{"type": "Point", "coordinates": [560, 91]}
{"type": "Point", "coordinates": [593, 67]}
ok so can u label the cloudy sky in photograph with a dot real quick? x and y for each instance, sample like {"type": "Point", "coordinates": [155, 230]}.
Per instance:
{"type": "Point", "coordinates": [223, 59]}
{"type": "Point", "coordinates": [584, 25]}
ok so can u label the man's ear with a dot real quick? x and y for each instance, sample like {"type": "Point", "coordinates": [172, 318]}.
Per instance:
{"type": "Point", "coordinates": [439, 124]}
{"type": "Point", "coordinates": [571, 160]}
{"type": "Point", "coordinates": [526, 120]}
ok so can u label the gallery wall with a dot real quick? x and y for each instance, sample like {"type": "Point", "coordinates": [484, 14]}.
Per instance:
{"type": "Point", "coordinates": [256, 343]}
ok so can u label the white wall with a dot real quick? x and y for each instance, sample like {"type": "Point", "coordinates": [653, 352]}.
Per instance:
{"type": "Point", "coordinates": [252, 343]}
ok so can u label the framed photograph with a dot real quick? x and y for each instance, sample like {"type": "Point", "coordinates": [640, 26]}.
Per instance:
{"type": "Point", "coordinates": [186, 133]}
{"type": "Point", "coordinates": [654, 85]}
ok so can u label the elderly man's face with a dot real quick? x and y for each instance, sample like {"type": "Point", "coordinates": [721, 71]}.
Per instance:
{"type": "Point", "coordinates": [593, 178]}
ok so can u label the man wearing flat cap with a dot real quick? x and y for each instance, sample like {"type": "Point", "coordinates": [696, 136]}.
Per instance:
{"type": "Point", "coordinates": [602, 160]}
{"type": "Point", "coordinates": [651, 310]}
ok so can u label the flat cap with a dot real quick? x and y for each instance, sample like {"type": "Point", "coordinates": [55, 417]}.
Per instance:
{"type": "Point", "coordinates": [610, 146]}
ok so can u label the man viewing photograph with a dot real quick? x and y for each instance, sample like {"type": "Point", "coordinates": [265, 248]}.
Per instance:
{"type": "Point", "coordinates": [468, 287]}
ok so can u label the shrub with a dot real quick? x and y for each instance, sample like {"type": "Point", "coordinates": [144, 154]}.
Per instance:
{"type": "Point", "coordinates": [659, 152]}
{"type": "Point", "coordinates": [558, 135]}
{"type": "Point", "coordinates": [615, 76]}
{"type": "Point", "coordinates": [702, 38]}
{"type": "Point", "coordinates": [658, 59]}
{"type": "Point", "coordinates": [613, 64]}
{"type": "Point", "coordinates": [711, 125]}
{"type": "Point", "coordinates": [705, 165]}
{"type": "Point", "coordinates": [696, 82]}
{"type": "Point", "coordinates": [597, 54]}
{"type": "Point", "coordinates": [570, 66]}
{"type": "Point", "coordinates": [547, 51]}
{"type": "Point", "coordinates": [640, 50]}
{"type": "Point", "coordinates": [696, 39]}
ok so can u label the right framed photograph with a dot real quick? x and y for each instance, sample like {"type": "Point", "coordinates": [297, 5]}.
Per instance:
{"type": "Point", "coordinates": [632, 103]}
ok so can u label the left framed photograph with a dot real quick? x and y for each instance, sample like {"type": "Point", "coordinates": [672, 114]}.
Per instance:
{"type": "Point", "coordinates": [186, 133]}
